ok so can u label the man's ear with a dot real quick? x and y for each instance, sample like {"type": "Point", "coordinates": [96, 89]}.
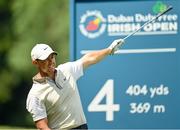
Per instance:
{"type": "Point", "coordinates": [34, 62]}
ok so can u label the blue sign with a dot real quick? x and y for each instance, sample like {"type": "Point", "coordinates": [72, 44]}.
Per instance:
{"type": "Point", "coordinates": [137, 88]}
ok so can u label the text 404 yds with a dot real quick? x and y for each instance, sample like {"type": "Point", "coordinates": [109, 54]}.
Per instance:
{"type": "Point", "coordinates": [136, 90]}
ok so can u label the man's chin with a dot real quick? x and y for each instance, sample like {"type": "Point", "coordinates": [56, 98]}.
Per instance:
{"type": "Point", "coordinates": [51, 70]}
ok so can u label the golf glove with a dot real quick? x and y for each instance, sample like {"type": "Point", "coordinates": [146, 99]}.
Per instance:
{"type": "Point", "coordinates": [115, 45]}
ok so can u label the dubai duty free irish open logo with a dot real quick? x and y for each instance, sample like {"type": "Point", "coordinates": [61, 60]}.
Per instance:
{"type": "Point", "coordinates": [92, 24]}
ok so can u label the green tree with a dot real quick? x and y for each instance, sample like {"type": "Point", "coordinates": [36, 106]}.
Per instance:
{"type": "Point", "coordinates": [24, 24]}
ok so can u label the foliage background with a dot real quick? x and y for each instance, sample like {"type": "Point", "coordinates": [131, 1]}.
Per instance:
{"type": "Point", "coordinates": [24, 23]}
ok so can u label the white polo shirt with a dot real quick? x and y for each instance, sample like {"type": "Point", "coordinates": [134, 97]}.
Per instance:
{"type": "Point", "coordinates": [58, 101]}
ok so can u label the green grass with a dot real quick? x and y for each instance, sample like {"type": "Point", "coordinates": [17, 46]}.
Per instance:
{"type": "Point", "coordinates": [14, 128]}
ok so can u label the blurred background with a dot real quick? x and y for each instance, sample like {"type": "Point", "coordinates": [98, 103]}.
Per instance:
{"type": "Point", "coordinates": [24, 23]}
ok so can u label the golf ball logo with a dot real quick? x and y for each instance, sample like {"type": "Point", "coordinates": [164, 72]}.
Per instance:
{"type": "Point", "coordinates": [92, 24]}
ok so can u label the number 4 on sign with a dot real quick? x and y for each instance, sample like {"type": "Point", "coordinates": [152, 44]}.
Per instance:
{"type": "Point", "coordinates": [108, 92]}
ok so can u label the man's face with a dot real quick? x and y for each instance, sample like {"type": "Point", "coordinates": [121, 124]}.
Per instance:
{"type": "Point", "coordinates": [48, 65]}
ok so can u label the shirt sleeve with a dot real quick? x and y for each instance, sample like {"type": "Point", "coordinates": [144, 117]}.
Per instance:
{"type": "Point", "coordinates": [75, 68]}
{"type": "Point", "coordinates": [36, 107]}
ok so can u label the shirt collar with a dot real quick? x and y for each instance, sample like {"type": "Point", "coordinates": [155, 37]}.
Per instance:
{"type": "Point", "coordinates": [38, 78]}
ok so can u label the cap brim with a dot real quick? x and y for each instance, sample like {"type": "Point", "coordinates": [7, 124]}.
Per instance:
{"type": "Point", "coordinates": [46, 55]}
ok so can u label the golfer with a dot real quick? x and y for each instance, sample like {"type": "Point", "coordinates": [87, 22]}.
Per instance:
{"type": "Point", "coordinates": [54, 101]}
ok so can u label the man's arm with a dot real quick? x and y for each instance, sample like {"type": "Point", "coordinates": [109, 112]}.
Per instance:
{"type": "Point", "coordinates": [96, 56]}
{"type": "Point", "coordinates": [42, 124]}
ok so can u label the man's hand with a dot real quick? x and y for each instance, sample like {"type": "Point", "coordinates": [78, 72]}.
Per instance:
{"type": "Point", "coordinates": [115, 45]}
{"type": "Point", "coordinates": [42, 124]}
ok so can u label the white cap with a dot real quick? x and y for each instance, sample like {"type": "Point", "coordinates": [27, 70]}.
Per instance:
{"type": "Point", "coordinates": [41, 52]}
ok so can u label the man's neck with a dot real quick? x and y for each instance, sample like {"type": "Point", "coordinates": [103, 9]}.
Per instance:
{"type": "Point", "coordinates": [50, 75]}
